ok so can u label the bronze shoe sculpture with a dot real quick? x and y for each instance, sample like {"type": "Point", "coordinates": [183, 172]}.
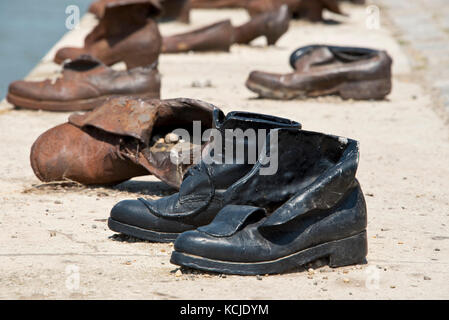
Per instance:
{"type": "Point", "coordinates": [124, 33]}
{"type": "Point", "coordinates": [351, 73]}
{"type": "Point", "coordinates": [85, 83]}
{"type": "Point", "coordinates": [123, 138]}
{"type": "Point", "coordinates": [311, 208]}
{"type": "Point", "coordinates": [221, 35]}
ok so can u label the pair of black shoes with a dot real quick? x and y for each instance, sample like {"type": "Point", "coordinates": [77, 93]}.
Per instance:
{"type": "Point", "coordinates": [299, 202]}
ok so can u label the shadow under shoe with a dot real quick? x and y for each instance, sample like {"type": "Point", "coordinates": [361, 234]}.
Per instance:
{"type": "Point", "coordinates": [352, 73]}
{"type": "Point", "coordinates": [312, 208]}
{"type": "Point", "coordinates": [201, 192]}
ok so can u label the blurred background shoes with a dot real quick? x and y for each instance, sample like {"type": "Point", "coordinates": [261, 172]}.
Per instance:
{"type": "Point", "coordinates": [124, 33]}
{"type": "Point", "coordinates": [221, 35]}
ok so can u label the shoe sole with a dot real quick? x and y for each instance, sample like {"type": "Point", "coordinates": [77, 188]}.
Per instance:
{"type": "Point", "coordinates": [357, 90]}
{"type": "Point", "coordinates": [74, 105]}
{"type": "Point", "coordinates": [343, 252]}
{"type": "Point", "coordinates": [140, 233]}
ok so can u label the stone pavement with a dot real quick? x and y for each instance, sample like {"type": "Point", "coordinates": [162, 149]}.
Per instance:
{"type": "Point", "coordinates": [423, 28]}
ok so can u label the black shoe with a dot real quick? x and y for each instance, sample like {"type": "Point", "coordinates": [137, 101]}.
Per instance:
{"type": "Point", "coordinates": [325, 217]}
{"type": "Point", "coordinates": [201, 194]}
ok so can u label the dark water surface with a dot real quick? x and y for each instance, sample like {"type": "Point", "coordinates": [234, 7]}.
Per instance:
{"type": "Point", "coordinates": [28, 30]}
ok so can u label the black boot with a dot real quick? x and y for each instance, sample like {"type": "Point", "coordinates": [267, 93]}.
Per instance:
{"type": "Point", "coordinates": [201, 193]}
{"type": "Point", "coordinates": [317, 211]}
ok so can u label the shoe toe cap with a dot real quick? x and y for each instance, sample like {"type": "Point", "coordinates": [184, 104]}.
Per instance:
{"type": "Point", "coordinates": [201, 244]}
{"type": "Point", "coordinates": [130, 212]}
{"type": "Point", "coordinates": [136, 213]}
{"type": "Point", "coordinates": [25, 89]}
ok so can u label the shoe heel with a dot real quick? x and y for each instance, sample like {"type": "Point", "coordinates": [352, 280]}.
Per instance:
{"type": "Point", "coordinates": [272, 39]}
{"type": "Point", "coordinates": [366, 89]}
{"type": "Point", "coordinates": [349, 251]}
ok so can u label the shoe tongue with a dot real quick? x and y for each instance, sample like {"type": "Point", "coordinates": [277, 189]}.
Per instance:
{"type": "Point", "coordinates": [83, 65]}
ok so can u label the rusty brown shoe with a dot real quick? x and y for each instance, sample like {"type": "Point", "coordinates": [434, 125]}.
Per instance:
{"type": "Point", "coordinates": [124, 33]}
{"type": "Point", "coordinates": [123, 138]}
{"type": "Point", "coordinates": [85, 83]}
{"type": "Point", "coordinates": [352, 73]}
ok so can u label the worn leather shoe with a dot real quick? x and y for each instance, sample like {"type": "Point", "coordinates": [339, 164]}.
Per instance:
{"type": "Point", "coordinates": [352, 73]}
{"type": "Point", "coordinates": [313, 208]}
{"type": "Point", "coordinates": [201, 192]}
{"type": "Point", "coordinates": [84, 84]}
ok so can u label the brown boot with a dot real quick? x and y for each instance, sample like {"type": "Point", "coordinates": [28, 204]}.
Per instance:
{"type": "Point", "coordinates": [119, 140]}
{"type": "Point", "coordinates": [352, 73]}
{"type": "Point", "coordinates": [85, 84]}
{"type": "Point", "coordinates": [216, 37]}
{"type": "Point", "coordinates": [272, 25]}
{"type": "Point", "coordinates": [124, 33]}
